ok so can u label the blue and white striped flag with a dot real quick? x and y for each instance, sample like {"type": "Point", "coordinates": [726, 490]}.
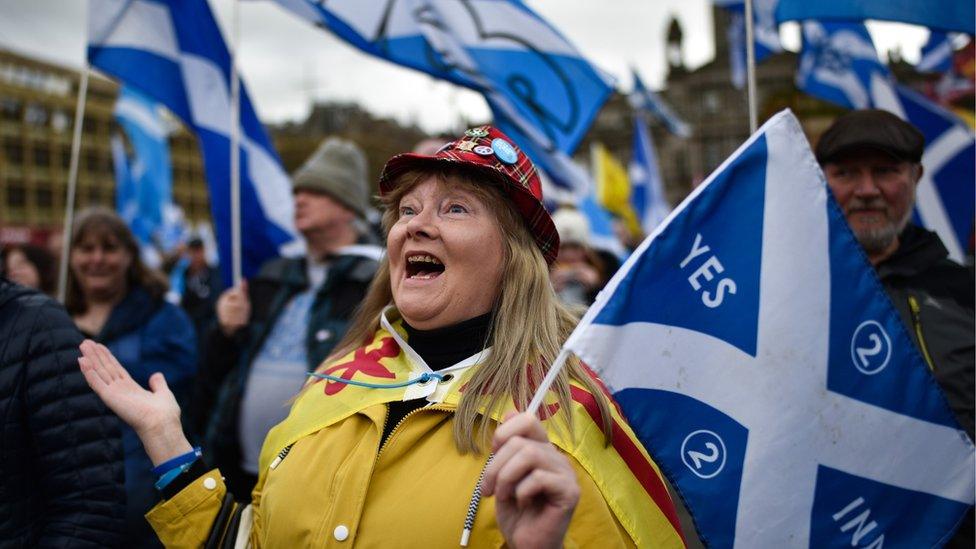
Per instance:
{"type": "Point", "coordinates": [647, 187]}
{"type": "Point", "coordinates": [172, 51]}
{"type": "Point", "coordinates": [946, 15]}
{"type": "Point", "coordinates": [839, 64]}
{"type": "Point", "coordinates": [646, 101]}
{"type": "Point", "coordinates": [543, 93]}
{"type": "Point", "coordinates": [144, 183]}
{"type": "Point", "coordinates": [936, 53]}
{"type": "Point", "coordinates": [757, 357]}
{"type": "Point", "coordinates": [765, 34]}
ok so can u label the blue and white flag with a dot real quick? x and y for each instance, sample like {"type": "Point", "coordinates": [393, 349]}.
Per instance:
{"type": "Point", "coordinates": [144, 187]}
{"type": "Point", "coordinates": [756, 355]}
{"type": "Point", "coordinates": [946, 15]}
{"type": "Point", "coordinates": [765, 34]}
{"type": "Point", "coordinates": [945, 198]}
{"type": "Point", "coordinates": [602, 233]}
{"type": "Point", "coordinates": [936, 53]}
{"type": "Point", "coordinates": [647, 187]}
{"type": "Point", "coordinates": [172, 51]}
{"type": "Point", "coordinates": [840, 64]}
{"type": "Point", "coordinates": [646, 101]}
{"type": "Point", "coordinates": [543, 93]}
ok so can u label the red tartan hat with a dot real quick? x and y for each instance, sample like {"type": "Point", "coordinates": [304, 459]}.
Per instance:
{"type": "Point", "coordinates": [485, 149]}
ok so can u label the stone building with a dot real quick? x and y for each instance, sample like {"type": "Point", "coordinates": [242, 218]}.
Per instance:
{"type": "Point", "coordinates": [37, 108]}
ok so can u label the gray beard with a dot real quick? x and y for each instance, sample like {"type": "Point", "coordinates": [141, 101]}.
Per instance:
{"type": "Point", "coordinates": [878, 240]}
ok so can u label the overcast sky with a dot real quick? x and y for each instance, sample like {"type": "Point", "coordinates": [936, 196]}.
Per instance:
{"type": "Point", "coordinates": [286, 62]}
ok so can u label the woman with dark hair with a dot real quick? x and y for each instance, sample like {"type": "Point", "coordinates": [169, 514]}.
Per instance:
{"type": "Point", "coordinates": [118, 301]}
{"type": "Point", "coordinates": [409, 434]}
{"type": "Point", "coordinates": [30, 266]}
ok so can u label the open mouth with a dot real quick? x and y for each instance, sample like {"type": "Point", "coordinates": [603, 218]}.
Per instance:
{"type": "Point", "coordinates": [424, 267]}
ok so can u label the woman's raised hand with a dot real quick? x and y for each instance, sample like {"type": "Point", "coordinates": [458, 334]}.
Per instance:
{"type": "Point", "coordinates": [534, 485]}
{"type": "Point", "coordinates": [154, 415]}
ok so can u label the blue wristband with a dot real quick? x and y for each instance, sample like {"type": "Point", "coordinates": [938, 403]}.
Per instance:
{"type": "Point", "coordinates": [168, 476]}
{"type": "Point", "coordinates": [173, 463]}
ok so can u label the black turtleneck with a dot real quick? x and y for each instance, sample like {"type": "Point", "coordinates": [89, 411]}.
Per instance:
{"type": "Point", "coordinates": [440, 348]}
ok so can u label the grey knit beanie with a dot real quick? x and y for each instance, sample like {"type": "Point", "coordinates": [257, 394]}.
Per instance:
{"type": "Point", "coordinates": [337, 168]}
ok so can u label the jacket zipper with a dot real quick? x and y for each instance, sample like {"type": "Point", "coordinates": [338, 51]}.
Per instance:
{"type": "Point", "coordinates": [917, 324]}
{"type": "Point", "coordinates": [399, 423]}
{"type": "Point", "coordinates": [281, 456]}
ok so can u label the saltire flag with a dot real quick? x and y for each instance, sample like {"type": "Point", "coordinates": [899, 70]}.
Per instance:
{"type": "Point", "coordinates": [646, 101]}
{"type": "Point", "coordinates": [172, 51]}
{"type": "Point", "coordinates": [757, 357]}
{"type": "Point", "coordinates": [945, 15]}
{"type": "Point", "coordinates": [144, 183]}
{"type": "Point", "coordinates": [840, 64]}
{"type": "Point", "coordinates": [936, 53]}
{"type": "Point", "coordinates": [765, 34]}
{"type": "Point", "coordinates": [647, 187]}
{"type": "Point", "coordinates": [613, 189]}
{"type": "Point", "coordinates": [542, 92]}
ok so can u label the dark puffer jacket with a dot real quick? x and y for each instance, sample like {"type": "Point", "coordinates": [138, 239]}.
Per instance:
{"type": "Point", "coordinates": [61, 473]}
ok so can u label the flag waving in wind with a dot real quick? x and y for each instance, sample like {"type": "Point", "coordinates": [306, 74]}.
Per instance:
{"type": "Point", "coordinates": [946, 15]}
{"type": "Point", "coordinates": [754, 352]}
{"type": "Point", "coordinates": [172, 51]}
{"type": "Point", "coordinates": [540, 89]}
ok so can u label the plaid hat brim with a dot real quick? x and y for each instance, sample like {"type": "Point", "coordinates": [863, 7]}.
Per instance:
{"type": "Point", "coordinates": [530, 209]}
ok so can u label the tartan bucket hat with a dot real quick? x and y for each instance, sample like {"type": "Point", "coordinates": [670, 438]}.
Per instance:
{"type": "Point", "coordinates": [487, 150]}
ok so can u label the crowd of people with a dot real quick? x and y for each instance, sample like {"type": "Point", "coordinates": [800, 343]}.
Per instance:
{"type": "Point", "coordinates": [357, 393]}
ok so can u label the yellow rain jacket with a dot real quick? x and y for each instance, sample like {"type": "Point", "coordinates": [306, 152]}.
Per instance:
{"type": "Point", "coordinates": [327, 482]}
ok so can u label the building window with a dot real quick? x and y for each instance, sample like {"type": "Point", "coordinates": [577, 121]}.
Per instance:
{"type": "Point", "coordinates": [16, 194]}
{"type": "Point", "coordinates": [711, 101]}
{"type": "Point", "coordinates": [43, 196]}
{"type": "Point", "coordinates": [42, 155]}
{"type": "Point", "coordinates": [65, 158]}
{"type": "Point", "coordinates": [9, 109]}
{"type": "Point", "coordinates": [60, 121]}
{"type": "Point", "coordinates": [13, 151]}
{"type": "Point", "coordinates": [35, 115]}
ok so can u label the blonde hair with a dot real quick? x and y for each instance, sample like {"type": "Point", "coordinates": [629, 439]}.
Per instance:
{"type": "Point", "coordinates": [529, 323]}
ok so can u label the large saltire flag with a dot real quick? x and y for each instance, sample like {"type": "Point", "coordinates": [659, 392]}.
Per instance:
{"type": "Point", "coordinates": [173, 52]}
{"type": "Point", "coordinates": [541, 90]}
{"type": "Point", "coordinates": [946, 15]}
{"type": "Point", "coordinates": [840, 64]}
{"type": "Point", "coordinates": [613, 189]}
{"type": "Point", "coordinates": [756, 355]}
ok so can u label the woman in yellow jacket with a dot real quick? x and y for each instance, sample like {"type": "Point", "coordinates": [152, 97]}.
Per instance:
{"type": "Point", "coordinates": [409, 434]}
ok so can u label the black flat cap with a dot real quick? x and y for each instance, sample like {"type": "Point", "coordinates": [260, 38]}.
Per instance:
{"type": "Point", "coordinates": [871, 129]}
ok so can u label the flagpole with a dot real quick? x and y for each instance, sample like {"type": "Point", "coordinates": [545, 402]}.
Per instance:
{"type": "Point", "coordinates": [751, 68]}
{"type": "Point", "coordinates": [69, 203]}
{"type": "Point", "coordinates": [235, 150]}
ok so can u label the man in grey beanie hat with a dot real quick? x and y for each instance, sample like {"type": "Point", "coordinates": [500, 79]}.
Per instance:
{"type": "Point", "coordinates": [275, 328]}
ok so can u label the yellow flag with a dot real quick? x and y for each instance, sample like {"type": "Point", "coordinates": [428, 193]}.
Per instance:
{"type": "Point", "coordinates": [613, 187]}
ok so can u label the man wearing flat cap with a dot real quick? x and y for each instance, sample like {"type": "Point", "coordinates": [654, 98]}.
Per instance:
{"type": "Point", "coordinates": [872, 160]}
{"type": "Point", "coordinates": [281, 324]}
